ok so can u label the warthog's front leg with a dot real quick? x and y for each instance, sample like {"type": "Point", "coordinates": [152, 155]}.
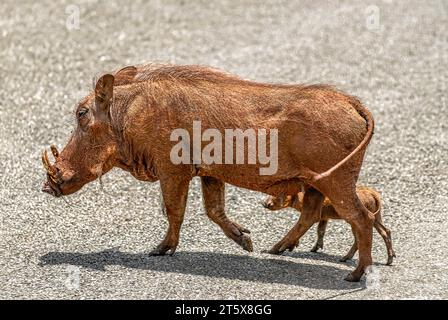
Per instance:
{"type": "Point", "coordinates": [213, 191]}
{"type": "Point", "coordinates": [175, 192]}
{"type": "Point", "coordinates": [312, 204]}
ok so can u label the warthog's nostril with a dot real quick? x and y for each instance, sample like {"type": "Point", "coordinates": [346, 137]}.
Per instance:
{"type": "Point", "coordinates": [266, 204]}
{"type": "Point", "coordinates": [48, 189]}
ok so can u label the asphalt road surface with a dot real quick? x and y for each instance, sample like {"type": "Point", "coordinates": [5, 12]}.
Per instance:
{"type": "Point", "coordinates": [392, 54]}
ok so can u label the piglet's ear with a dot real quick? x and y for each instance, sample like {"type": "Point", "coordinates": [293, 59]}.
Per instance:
{"type": "Point", "coordinates": [294, 200]}
{"type": "Point", "coordinates": [104, 90]}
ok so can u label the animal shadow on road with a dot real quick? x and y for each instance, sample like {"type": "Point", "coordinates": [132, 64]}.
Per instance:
{"type": "Point", "coordinates": [212, 264]}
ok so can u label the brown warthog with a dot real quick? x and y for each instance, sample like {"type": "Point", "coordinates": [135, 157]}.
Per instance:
{"type": "Point", "coordinates": [368, 196]}
{"type": "Point", "coordinates": [128, 121]}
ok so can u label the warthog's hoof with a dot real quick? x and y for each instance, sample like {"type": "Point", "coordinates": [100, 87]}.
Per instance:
{"type": "Point", "coordinates": [282, 246]}
{"type": "Point", "coordinates": [163, 249]}
{"type": "Point", "coordinates": [245, 242]}
{"type": "Point", "coordinates": [239, 234]}
{"type": "Point", "coordinates": [354, 276]}
{"type": "Point", "coordinates": [390, 259]}
{"type": "Point", "coordinates": [317, 246]}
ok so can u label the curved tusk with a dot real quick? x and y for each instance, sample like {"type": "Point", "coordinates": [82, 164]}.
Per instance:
{"type": "Point", "coordinates": [53, 179]}
{"type": "Point", "coordinates": [45, 161]}
{"type": "Point", "coordinates": [54, 150]}
{"type": "Point", "coordinates": [48, 166]}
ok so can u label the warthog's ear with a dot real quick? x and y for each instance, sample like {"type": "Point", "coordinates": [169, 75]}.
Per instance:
{"type": "Point", "coordinates": [104, 91]}
{"type": "Point", "coordinates": [294, 200]}
{"type": "Point", "coordinates": [125, 76]}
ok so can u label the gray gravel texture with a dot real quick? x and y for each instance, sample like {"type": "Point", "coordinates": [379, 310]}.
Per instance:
{"type": "Point", "coordinates": [94, 245]}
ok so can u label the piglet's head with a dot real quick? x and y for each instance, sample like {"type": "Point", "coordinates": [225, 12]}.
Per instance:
{"type": "Point", "coordinates": [91, 150]}
{"type": "Point", "coordinates": [283, 201]}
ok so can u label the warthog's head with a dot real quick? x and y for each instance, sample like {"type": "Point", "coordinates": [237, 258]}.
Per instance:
{"type": "Point", "coordinates": [91, 150]}
{"type": "Point", "coordinates": [277, 203]}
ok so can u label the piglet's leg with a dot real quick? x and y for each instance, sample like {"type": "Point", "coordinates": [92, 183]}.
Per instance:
{"type": "Point", "coordinates": [321, 228]}
{"type": "Point", "coordinates": [352, 250]}
{"type": "Point", "coordinates": [386, 234]}
{"type": "Point", "coordinates": [312, 204]}
{"type": "Point", "coordinates": [213, 191]}
{"type": "Point", "coordinates": [175, 192]}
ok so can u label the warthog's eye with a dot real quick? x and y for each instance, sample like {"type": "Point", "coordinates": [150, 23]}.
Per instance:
{"type": "Point", "coordinates": [82, 112]}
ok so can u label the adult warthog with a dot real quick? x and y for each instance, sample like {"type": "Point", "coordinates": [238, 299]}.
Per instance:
{"type": "Point", "coordinates": [128, 120]}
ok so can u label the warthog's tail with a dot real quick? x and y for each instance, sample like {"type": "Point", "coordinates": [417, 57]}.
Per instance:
{"type": "Point", "coordinates": [370, 127]}
{"type": "Point", "coordinates": [376, 196]}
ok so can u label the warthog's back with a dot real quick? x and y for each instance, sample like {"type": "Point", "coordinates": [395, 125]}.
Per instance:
{"type": "Point", "coordinates": [317, 125]}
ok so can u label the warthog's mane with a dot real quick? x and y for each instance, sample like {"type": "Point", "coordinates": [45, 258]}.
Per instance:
{"type": "Point", "coordinates": [190, 73]}
{"type": "Point", "coordinates": [201, 86]}
{"type": "Point", "coordinates": [158, 72]}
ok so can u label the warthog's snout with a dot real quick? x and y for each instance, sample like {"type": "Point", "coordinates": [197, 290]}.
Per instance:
{"type": "Point", "coordinates": [268, 203]}
{"type": "Point", "coordinates": [276, 203]}
{"type": "Point", "coordinates": [47, 188]}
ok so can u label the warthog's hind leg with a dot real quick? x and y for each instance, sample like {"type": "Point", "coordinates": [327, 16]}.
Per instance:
{"type": "Point", "coordinates": [351, 209]}
{"type": "Point", "coordinates": [213, 191]}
